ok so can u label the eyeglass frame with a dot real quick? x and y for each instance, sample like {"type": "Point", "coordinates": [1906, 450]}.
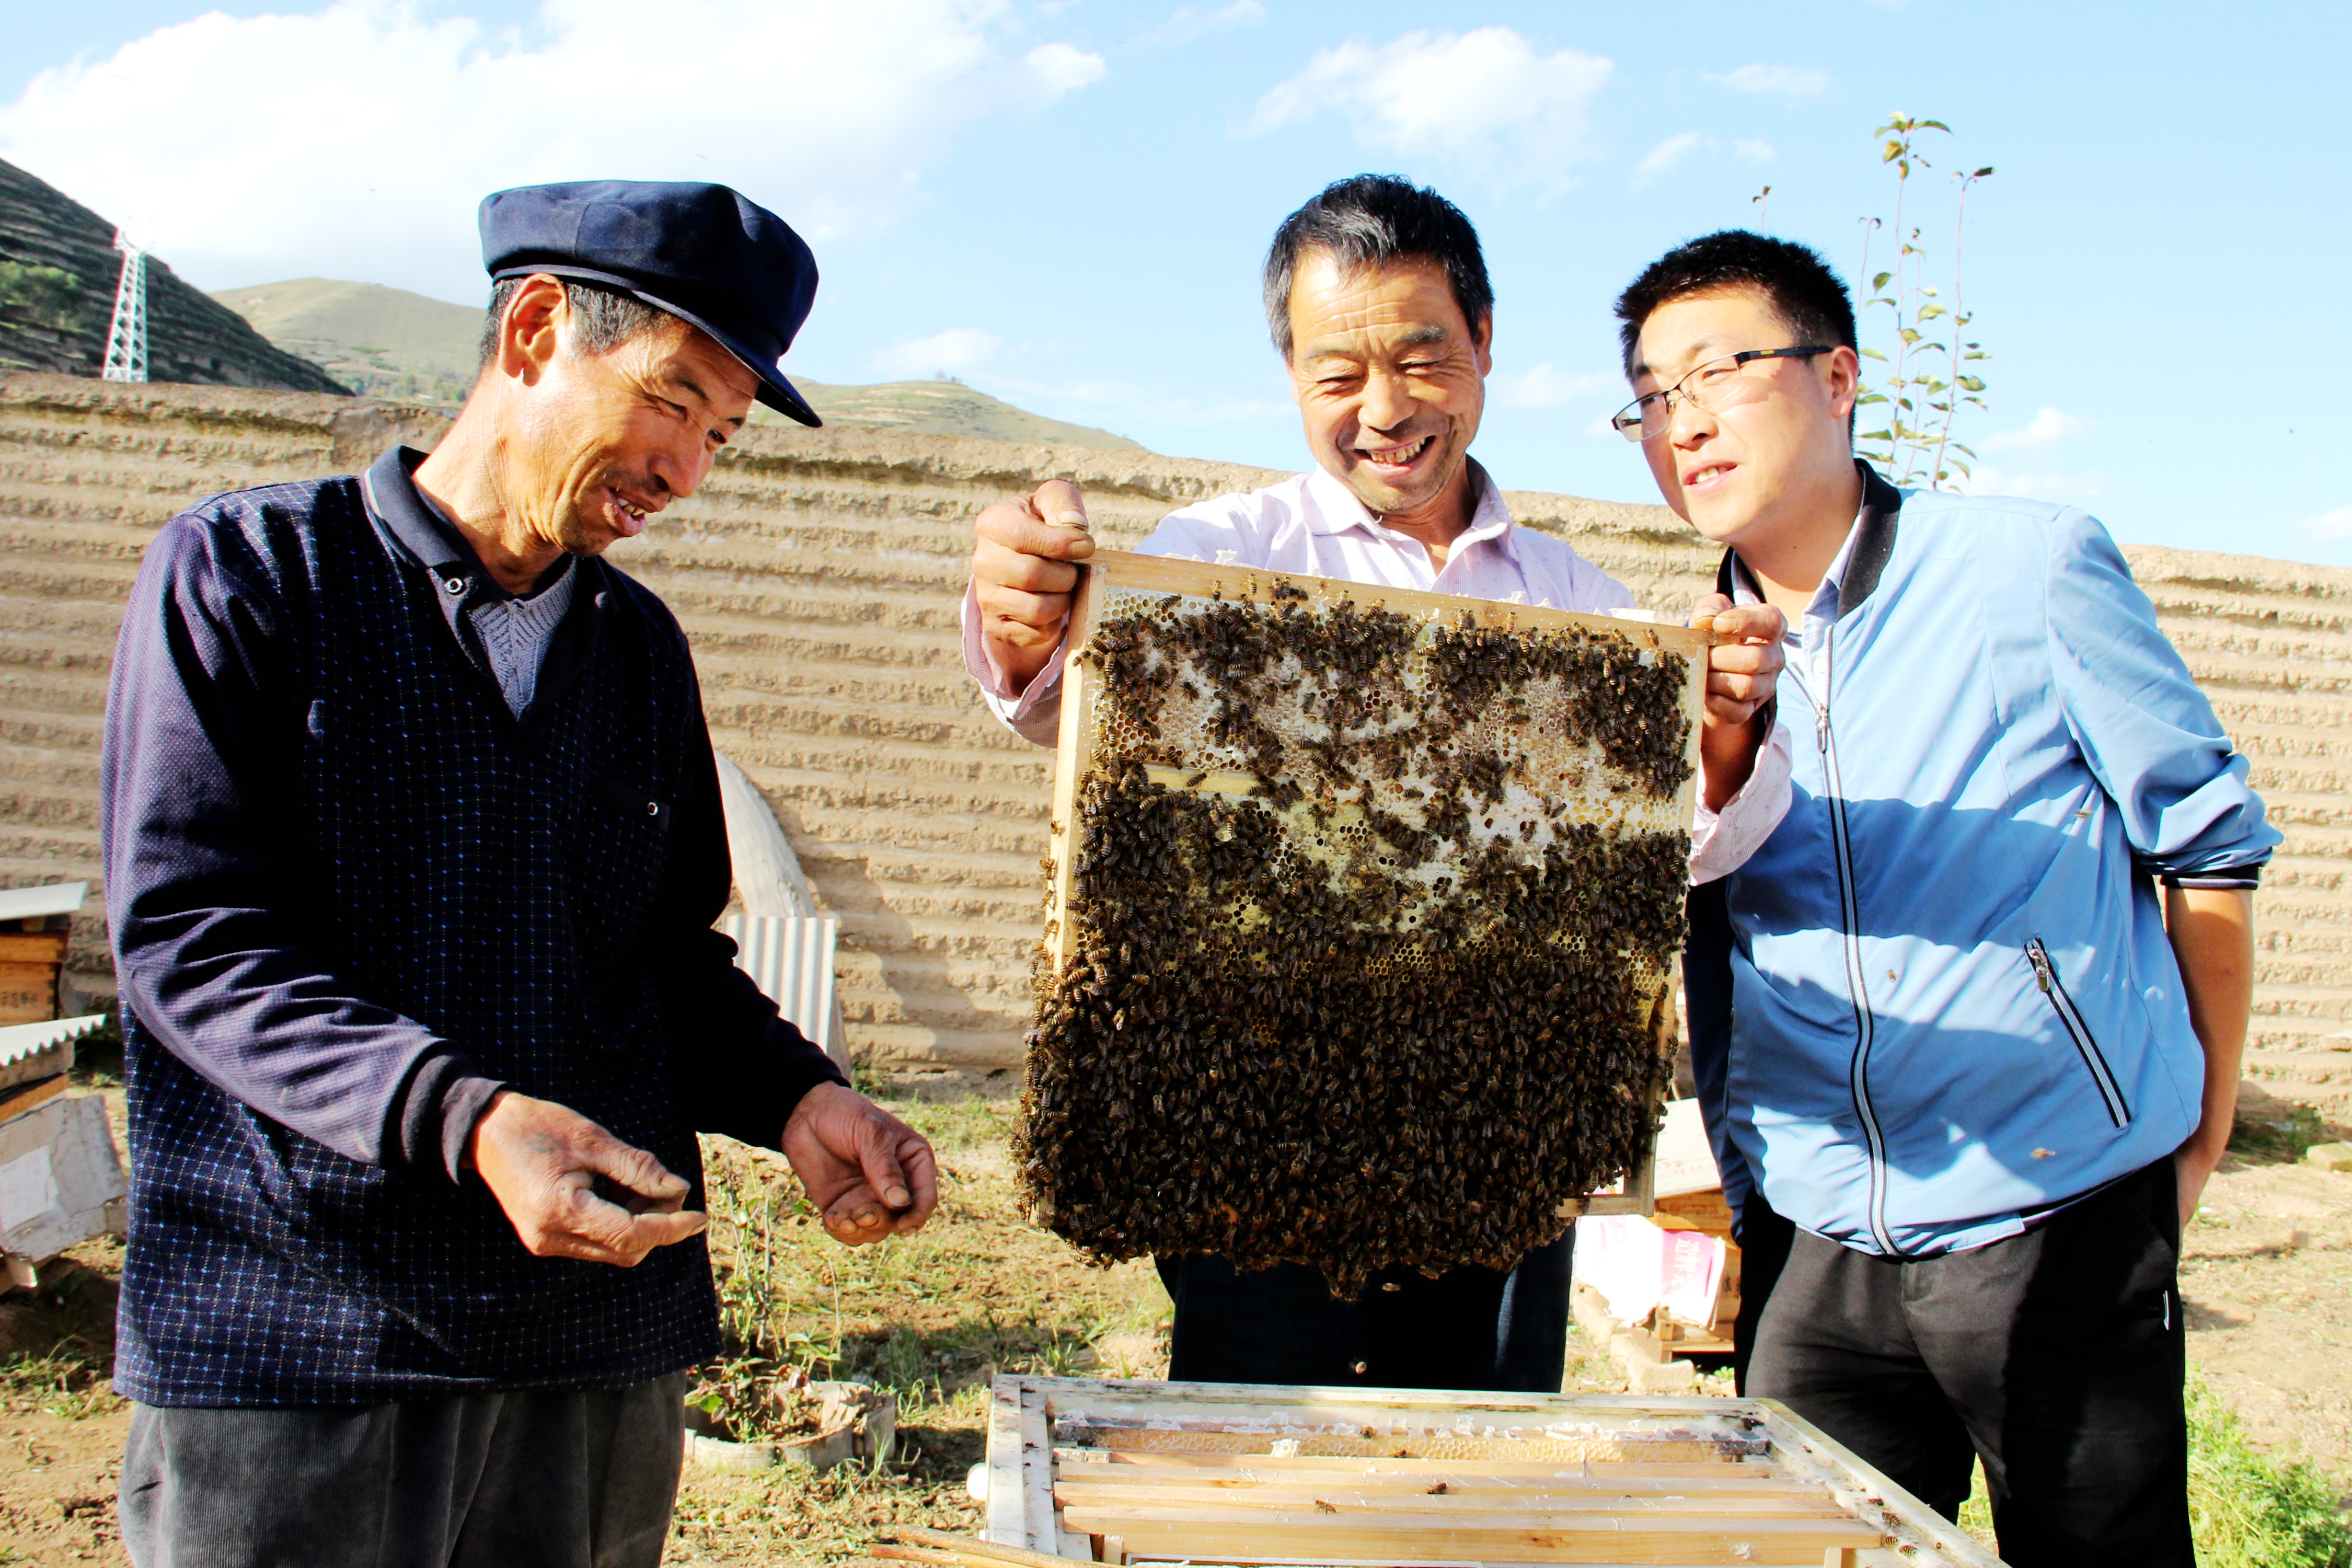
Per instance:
{"type": "Point", "coordinates": [1631, 428]}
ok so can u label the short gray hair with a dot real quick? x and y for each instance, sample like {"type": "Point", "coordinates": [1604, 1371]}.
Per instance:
{"type": "Point", "coordinates": [603, 318]}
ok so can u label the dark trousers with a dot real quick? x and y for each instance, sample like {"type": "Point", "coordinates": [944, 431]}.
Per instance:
{"type": "Point", "coordinates": [1468, 1328]}
{"type": "Point", "coordinates": [539, 1479]}
{"type": "Point", "coordinates": [2056, 1356]}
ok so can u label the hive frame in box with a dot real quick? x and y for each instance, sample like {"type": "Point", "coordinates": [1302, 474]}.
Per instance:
{"type": "Point", "coordinates": [1111, 570]}
{"type": "Point", "coordinates": [1330, 1475]}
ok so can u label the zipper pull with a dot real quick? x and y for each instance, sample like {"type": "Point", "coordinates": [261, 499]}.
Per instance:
{"type": "Point", "coordinates": [2041, 964]}
{"type": "Point", "coordinates": [1821, 729]}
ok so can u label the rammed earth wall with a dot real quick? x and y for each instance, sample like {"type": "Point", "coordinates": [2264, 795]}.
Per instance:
{"type": "Point", "coordinates": [819, 573]}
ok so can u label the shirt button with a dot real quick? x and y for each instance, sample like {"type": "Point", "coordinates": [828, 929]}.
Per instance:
{"type": "Point", "coordinates": [653, 808]}
{"type": "Point", "coordinates": [1362, 1367]}
{"type": "Point", "coordinates": [454, 585]}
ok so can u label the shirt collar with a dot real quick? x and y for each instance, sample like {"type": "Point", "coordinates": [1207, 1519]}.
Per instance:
{"type": "Point", "coordinates": [1336, 510]}
{"type": "Point", "coordinates": [424, 531]}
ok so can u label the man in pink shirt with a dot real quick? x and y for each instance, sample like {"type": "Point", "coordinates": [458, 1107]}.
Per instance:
{"type": "Point", "coordinates": [1378, 300]}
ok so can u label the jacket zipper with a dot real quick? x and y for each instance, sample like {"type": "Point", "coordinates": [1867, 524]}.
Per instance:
{"type": "Point", "coordinates": [2045, 974]}
{"type": "Point", "coordinates": [1850, 911]}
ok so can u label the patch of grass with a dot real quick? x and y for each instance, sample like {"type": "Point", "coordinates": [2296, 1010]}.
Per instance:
{"type": "Point", "coordinates": [2277, 1134]}
{"type": "Point", "coordinates": [930, 1318]}
{"type": "Point", "coordinates": [1975, 1514]}
{"type": "Point", "coordinates": [2252, 1510]}
{"type": "Point", "coordinates": [2246, 1508]}
{"type": "Point", "coordinates": [68, 1383]}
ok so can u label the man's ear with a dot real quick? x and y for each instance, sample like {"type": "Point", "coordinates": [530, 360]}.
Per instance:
{"type": "Point", "coordinates": [1844, 372]}
{"type": "Point", "coordinates": [1482, 343]}
{"type": "Point", "coordinates": [531, 331]}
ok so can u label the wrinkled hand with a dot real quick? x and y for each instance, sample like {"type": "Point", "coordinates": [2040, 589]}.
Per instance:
{"type": "Point", "coordinates": [870, 1175]}
{"type": "Point", "coordinates": [1740, 680]}
{"type": "Point", "coordinates": [541, 1159]}
{"type": "Point", "coordinates": [1023, 575]}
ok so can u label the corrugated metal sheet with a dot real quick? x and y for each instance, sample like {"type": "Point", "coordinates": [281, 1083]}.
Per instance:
{"type": "Point", "coordinates": [19, 1041]}
{"type": "Point", "coordinates": [790, 958]}
{"type": "Point", "coordinates": [52, 898]}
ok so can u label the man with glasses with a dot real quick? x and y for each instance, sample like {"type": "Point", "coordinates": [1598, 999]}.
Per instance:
{"type": "Point", "coordinates": [1378, 301]}
{"type": "Point", "coordinates": [1945, 1024]}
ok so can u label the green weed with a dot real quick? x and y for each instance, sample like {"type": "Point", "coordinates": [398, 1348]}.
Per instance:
{"type": "Point", "coordinates": [2246, 1508]}
{"type": "Point", "coordinates": [2252, 1510]}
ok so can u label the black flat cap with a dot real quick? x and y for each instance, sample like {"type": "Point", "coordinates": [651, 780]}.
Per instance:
{"type": "Point", "coordinates": [703, 253]}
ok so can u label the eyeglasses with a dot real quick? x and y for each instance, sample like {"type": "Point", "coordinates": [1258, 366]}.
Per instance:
{"type": "Point", "coordinates": [1717, 385]}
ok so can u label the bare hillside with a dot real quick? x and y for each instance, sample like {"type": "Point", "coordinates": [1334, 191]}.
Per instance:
{"type": "Point", "coordinates": [389, 342]}
{"type": "Point", "coordinates": [819, 573]}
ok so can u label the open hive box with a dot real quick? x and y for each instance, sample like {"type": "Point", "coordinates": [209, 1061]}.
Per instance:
{"type": "Point", "coordinates": [1230, 1473]}
{"type": "Point", "coordinates": [1362, 921]}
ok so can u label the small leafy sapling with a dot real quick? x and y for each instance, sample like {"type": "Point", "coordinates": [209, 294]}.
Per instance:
{"type": "Point", "coordinates": [1933, 370]}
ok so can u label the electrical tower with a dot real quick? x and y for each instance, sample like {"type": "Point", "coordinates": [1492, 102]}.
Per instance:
{"type": "Point", "coordinates": [126, 340]}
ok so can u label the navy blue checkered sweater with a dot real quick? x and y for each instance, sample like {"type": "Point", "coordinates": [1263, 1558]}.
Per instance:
{"type": "Point", "coordinates": [341, 874]}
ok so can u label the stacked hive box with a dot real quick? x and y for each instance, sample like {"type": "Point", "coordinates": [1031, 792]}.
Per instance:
{"type": "Point", "coordinates": [818, 574]}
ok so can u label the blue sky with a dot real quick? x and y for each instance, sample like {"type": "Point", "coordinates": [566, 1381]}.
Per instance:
{"type": "Point", "coordinates": [1066, 204]}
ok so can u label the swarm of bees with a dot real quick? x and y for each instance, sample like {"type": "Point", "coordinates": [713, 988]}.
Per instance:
{"type": "Point", "coordinates": [1367, 929]}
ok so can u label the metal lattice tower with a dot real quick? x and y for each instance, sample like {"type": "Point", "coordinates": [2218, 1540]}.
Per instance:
{"type": "Point", "coordinates": [126, 340]}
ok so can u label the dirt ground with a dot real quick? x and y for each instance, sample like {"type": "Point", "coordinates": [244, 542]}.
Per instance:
{"type": "Point", "coordinates": [2266, 1278]}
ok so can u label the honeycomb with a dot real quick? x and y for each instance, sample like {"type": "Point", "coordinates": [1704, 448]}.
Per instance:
{"type": "Point", "coordinates": [1361, 956]}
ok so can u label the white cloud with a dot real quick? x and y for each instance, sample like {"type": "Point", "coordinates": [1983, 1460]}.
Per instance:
{"type": "Point", "coordinates": [2046, 428]}
{"type": "Point", "coordinates": [1187, 23]}
{"type": "Point", "coordinates": [1789, 81]}
{"type": "Point", "coordinates": [353, 141]}
{"type": "Point", "coordinates": [1060, 68]}
{"type": "Point", "coordinates": [1547, 387]}
{"type": "Point", "coordinates": [1676, 150]}
{"type": "Point", "coordinates": [2334, 527]}
{"type": "Point", "coordinates": [1662, 158]}
{"type": "Point", "coordinates": [952, 353]}
{"type": "Point", "coordinates": [1484, 100]}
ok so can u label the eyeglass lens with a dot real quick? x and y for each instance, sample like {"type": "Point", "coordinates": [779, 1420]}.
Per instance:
{"type": "Point", "coordinates": [1717, 385]}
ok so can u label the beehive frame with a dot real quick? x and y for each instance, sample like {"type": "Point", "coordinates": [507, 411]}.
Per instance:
{"type": "Point", "coordinates": [1247, 1474]}
{"type": "Point", "coordinates": [1549, 728]}
{"type": "Point", "coordinates": [1113, 573]}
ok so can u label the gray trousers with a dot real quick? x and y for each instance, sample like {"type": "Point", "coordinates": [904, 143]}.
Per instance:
{"type": "Point", "coordinates": [562, 1479]}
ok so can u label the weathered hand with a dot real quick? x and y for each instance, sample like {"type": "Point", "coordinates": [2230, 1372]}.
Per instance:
{"type": "Point", "coordinates": [1022, 574]}
{"type": "Point", "coordinates": [540, 1160]}
{"type": "Point", "coordinates": [869, 1174]}
{"type": "Point", "coordinates": [2193, 1168]}
{"type": "Point", "coordinates": [1740, 678]}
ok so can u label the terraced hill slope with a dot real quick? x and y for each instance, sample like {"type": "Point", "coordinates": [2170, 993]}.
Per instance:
{"type": "Point", "coordinates": [819, 574]}
{"type": "Point", "coordinates": [59, 268]}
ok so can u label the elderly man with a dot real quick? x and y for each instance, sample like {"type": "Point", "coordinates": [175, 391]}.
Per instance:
{"type": "Point", "coordinates": [1378, 300]}
{"type": "Point", "coordinates": [413, 846]}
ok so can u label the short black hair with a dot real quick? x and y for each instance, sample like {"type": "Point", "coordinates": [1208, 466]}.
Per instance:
{"type": "Point", "coordinates": [603, 318]}
{"type": "Point", "coordinates": [1804, 291]}
{"type": "Point", "coordinates": [1372, 220]}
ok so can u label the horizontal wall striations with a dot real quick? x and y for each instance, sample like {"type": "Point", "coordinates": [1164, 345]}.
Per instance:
{"type": "Point", "coordinates": [819, 575]}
